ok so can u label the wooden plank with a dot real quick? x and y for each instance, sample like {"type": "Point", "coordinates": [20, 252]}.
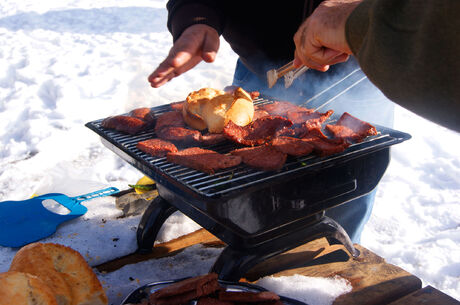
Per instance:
{"type": "Point", "coordinates": [427, 295]}
{"type": "Point", "coordinates": [373, 280]}
{"type": "Point", "coordinates": [164, 249]}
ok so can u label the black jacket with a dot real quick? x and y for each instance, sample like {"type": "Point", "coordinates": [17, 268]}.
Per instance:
{"type": "Point", "coordinates": [260, 32]}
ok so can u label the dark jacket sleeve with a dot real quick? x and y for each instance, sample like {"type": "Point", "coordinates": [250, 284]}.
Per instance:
{"type": "Point", "coordinates": [410, 50]}
{"type": "Point", "coordinates": [184, 13]}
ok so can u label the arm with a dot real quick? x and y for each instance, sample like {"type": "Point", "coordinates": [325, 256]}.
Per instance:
{"type": "Point", "coordinates": [195, 26]}
{"type": "Point", "coordinates": [407, 48]}
{"type": "Point", "coordinates": [411, 51]}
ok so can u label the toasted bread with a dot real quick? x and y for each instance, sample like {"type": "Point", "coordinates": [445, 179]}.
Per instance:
{"type": "Point", "coordinates": [212, 109]}
{"type": "Point", "coordinates": [64, 270]}
{"type": "Point", "coordinates": [25, 289]}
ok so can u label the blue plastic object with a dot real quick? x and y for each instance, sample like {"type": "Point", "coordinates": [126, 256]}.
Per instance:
{"type": "Point", "coordinates": [27, 221]}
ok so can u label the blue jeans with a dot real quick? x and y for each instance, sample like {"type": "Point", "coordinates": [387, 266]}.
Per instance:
{"type": "Point", "coordinates": [364, 101]}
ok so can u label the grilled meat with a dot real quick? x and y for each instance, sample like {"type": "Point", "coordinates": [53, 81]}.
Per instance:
{"type": "Point", "coordinates": [259, 114]}
{"type": "Point", "coordinates": [186, 290]}
{"type": "Point", "coordinates": [212, 138]}
{"type": "Point", "coordinates": [292, 146]}
{"type": "Point", "coordinates": [177, 106]}
{"type": "Point", "coordinates": [308, 116]}
{"type": "Point", "coordinates": [324, 146]}
{"type": "Point", "coordinates": [281, 108]}
{"type": "Point", "coordinates": [204, 160]}
{"type": "Point", "coordinates": [279, 129]}
{"type": "Point", "coordinates": [180, 135]}
{"type": "Point", "coordinates": [170, 126]}
{"type": "Point", "coordinates": [169, 119]}
{"type": "Point", "coordinates": [262, 157]}
{"type": "Point", "coordinates": [134, 122]}
{"type": "Point", "coordinates": [256, 133]}
{"type": "Point", "coordinates": [247, 296]}
{"type": "Point", "coordinates": [124, 123]}
{"type": "Point", "coordinates": [212, 301]}
{"type": "Point", "coordinates": [156, 147]}
{"type": "Point", "coordinates": [144, 114]}
{"type": "Point", "coordinates": [351, 128]}
{"type": "Point", "coordinates": [254, 94]}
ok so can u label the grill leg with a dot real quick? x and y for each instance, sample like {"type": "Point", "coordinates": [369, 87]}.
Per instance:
{"type": "Point", "coordinates": [152, 220]}
{"type": "Point", "coordinates": [232, 264]}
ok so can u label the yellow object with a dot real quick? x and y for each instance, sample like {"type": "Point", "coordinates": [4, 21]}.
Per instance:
{"type": "Point", "coordinates": [143, 181]}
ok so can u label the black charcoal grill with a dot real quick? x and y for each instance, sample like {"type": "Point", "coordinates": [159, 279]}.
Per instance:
{"type": "Point", "coordinates": [258, 214]}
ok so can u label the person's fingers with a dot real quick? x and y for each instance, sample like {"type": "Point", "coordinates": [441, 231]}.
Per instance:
{"type": "Point", "coordinates": [198, 42]}
{"type": "Point", "coordinates": [315, 56]}
{"type": "Point", "coordinates": [306, 61]}
{"type": "Point", "coordinates": [316, 66]}
{"type": "Point", "coordinates": [304, 48]}
{"type": "Point", "coordinates": [158, 80]}
{"type": "Point", "coordinates": [163, 70]}
{"type": "Point", "coordinates": [297, 62]}
{"type": "Point", "coordinates": [326, 56]}
{"type": "Point", "coordinates": [187, 65]}
{"type": "Point", "coordinates": [179, 57]}
{"type": "Point", "coordinates": [320, 40]}
{"type": "Point", "coordinates": [211, 45]}
{"type": "Point", "coordinates": [181, 52]}
{"type": "Point", "coordinates": [338, 59]}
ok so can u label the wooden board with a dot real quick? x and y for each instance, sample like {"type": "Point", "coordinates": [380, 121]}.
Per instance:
{"type": "Point", "coordinates": [427, 295]}
{"type": "Point", "coordinates": [373, 280]}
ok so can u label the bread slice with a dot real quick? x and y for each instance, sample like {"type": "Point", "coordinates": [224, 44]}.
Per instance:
{"type": "Point", "coordinates": [241, 112]}
{"type": "Point", "coordinates": [64, 270]}
{"type": "Point", "coordinates": [25, 289]}
{"type": "Point", "coordinates": [214, 112]}
{"type": "Point", "coordinates": [212, 109]}
{"type": "Point", "coordinates": [192, 110]}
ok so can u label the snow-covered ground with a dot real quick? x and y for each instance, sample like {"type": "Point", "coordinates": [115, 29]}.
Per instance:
{"type": "Point", "coordinates": [66, 63]}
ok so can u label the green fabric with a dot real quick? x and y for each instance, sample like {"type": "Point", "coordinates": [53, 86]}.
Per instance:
{"type": "Point", "coordinates": [410, 50]}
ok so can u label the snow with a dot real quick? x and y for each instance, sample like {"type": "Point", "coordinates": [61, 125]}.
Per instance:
{"type": "Point", "coordinates": [307, 289]}
{"type": "Point", "coordinates": [67, 63]}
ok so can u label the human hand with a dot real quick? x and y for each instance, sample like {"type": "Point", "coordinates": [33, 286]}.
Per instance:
{"type": "Point", "coordinates": [198, 42]}
{"type": "Point", "coordinates": [320, 40]}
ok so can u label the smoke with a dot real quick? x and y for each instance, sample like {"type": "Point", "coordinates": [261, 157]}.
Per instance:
{"type": "Point", "coordinates": [344, 88]}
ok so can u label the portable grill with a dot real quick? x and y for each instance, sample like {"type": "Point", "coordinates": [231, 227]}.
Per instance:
{"type": "Point", "coordinates": [258, 214]}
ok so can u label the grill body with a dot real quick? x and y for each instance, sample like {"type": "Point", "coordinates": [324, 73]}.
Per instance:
{"type": "Point", "coordinates": [256, 213]}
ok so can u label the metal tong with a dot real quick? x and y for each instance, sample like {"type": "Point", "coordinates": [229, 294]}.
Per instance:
{"type": "Point", "coordinates": [289, 73]}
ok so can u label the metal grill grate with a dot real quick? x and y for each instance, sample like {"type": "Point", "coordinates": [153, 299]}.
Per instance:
{"type": "Point", "coordinates": [237, 179]}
